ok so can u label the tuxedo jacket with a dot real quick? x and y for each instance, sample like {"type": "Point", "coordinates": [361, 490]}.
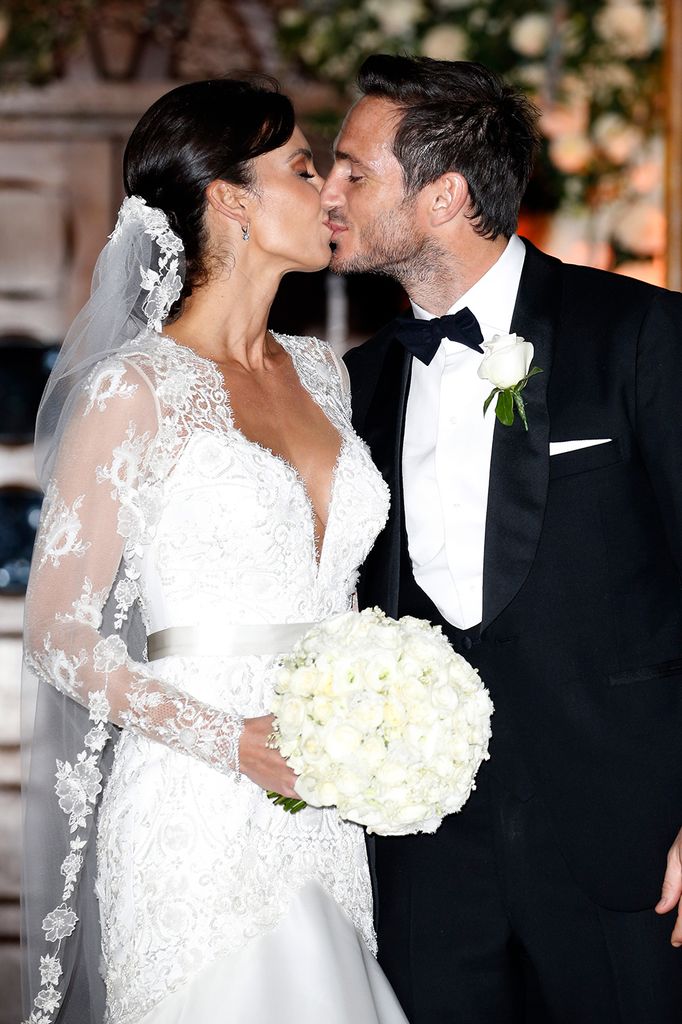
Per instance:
{"type": "Point", "coordinates": [580, 642]}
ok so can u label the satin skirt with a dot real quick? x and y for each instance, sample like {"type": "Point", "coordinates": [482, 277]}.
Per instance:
{"type": "Point", "coordinates": [313, 968]}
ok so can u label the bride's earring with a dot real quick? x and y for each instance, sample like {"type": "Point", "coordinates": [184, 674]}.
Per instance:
{"type": "Point", "coordinates": [246, 234]}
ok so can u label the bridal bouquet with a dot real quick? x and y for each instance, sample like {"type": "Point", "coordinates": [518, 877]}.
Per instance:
{"type": "Point", "coordinates": [382, 719]}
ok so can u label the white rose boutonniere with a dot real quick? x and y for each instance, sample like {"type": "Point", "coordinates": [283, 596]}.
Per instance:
{"type": "Point", "coordinates": [507, 365]}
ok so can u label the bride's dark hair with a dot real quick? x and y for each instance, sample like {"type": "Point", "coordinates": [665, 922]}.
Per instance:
{"type": "Point", "coordinates": [191, 136]}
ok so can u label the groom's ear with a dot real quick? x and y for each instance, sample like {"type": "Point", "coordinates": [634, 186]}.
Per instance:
{"type": "Point", "coordinates": [448, 197]}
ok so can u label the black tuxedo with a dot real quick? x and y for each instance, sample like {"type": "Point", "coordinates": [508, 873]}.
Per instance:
{"type": "Point", "coordinates": [580, 643]}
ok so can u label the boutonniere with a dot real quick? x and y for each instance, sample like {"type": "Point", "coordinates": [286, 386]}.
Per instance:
{"type": "Point", "coordinates": [507, 365]}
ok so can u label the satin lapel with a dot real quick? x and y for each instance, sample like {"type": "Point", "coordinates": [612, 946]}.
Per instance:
{"type": "Point", "coordinates": [383, 431]}
{"type": "Point", "coordinates": [519, 468]}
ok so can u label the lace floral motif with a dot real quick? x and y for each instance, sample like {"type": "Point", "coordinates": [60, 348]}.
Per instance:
{"type": "Point", "coordinates": [165, 284]}
{"type": "Point", "coordinates": [201, 526]}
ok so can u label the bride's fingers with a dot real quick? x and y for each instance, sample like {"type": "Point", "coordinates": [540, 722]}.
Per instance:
{"type": "Point", "coordinates": [264, 764]}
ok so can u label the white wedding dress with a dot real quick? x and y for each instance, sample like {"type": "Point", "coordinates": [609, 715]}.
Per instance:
{"type": "Point", "coordinates": [215, 905]}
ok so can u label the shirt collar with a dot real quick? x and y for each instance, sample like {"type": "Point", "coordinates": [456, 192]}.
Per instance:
{"type": "Point", "coordinates": [493, 297]}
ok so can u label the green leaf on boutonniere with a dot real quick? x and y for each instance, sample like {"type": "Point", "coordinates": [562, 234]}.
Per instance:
{"type": "Point", "coordinates": [509, 399]}
{"type": "Point", "coordinates": [504, 410]}
{"type": "Point", "coordinates": [518, 402]}
{"type": "Point", "coordinates": [486, 404]}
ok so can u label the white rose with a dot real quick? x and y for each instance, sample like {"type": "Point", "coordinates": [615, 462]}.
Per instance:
{"type": "Point", "coordinates": [373, 752]}
{"type": "Point", "coordinates": [616, 137]}
{"type": "Point", "coordinates": [367, 712]}
{"type": "Point", "coordinates": [507, 360]}
{"type": "Point", "coordinates": [530, 34]}
{"type": "Point", "coordinates": [291, 715]}
{"type": "Point", "coordinates": [627, 28]}
{"type": "Point", "coordinates": [303, 682]}
{"type": "Point", "coordinates": [398, 17]}
{"type": "Point", "coordinates": [342, 741]}
{"type": "Point", "coordinates": [445, 42]}
{"type": "Point", "coordinates": [328, 794]}
{"type": "Point", "coordinates": [322, 709]}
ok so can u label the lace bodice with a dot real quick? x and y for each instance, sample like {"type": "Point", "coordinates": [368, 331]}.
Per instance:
{"type": "Point", "coordinates": [159, 503]}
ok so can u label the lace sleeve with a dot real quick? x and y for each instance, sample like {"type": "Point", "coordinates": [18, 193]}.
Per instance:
{"type": "Point", "coordinates": [98, 508]}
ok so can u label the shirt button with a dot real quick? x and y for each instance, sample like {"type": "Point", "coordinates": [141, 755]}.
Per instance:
{"type": "Point", "coordinates": [467, 643]}
{"type": "Point", "coordinates": [453, 420]}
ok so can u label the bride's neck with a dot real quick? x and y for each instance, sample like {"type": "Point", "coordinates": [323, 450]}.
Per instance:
{"type": "Point", "coordinates": [226, 319]}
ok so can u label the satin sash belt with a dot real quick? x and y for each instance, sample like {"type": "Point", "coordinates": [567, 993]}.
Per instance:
{"type": "Point", "coordinates": [228, 641]}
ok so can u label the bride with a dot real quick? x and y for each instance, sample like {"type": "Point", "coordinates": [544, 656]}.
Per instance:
{"type": "Point", "coordinates": [205, 491]}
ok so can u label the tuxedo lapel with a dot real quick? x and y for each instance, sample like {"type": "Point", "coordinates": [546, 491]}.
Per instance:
{"type": "Point", "coordinates": [519, 468]}
{"type": "Point", "coordinates": [384, 425]}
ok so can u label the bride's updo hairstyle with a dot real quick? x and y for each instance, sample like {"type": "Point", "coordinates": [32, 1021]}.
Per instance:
{"type": "Point", "coordinates": [190, 137]}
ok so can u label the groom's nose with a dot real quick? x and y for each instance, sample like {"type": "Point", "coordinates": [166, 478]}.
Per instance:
{"type": "Point", "coordinates": [331, 195]}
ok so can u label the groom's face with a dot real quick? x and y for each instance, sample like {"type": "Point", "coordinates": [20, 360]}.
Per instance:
{"type": "Point", "coordinates": [374, 225]}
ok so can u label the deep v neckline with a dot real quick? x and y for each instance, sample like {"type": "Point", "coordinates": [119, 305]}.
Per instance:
{"type": "Point", "coordinates": [319, 546]}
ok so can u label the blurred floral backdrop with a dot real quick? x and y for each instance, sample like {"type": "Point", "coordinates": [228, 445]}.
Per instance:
{"type": "Point", "coordinates": [594, 67]}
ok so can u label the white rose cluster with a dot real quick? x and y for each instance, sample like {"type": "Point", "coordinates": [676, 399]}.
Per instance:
{"type": "Point", "coordinates": [382, 719]}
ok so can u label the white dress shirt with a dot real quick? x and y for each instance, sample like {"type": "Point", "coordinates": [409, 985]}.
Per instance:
{"type": "Point", "coordinates": [447, 449]}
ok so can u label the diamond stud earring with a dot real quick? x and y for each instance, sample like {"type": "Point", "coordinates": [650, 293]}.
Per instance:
{"type": "Point", "coordinates": [246, 234]}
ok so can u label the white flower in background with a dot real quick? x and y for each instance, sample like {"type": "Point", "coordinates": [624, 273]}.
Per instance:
{"type": "Point", "coordinates": [445, 42]}
{"type": "Point", "coordinates": [627, 28]}
{"type": "Point", "coordinates": [603, 79]}
{"type": "Point", "coordinates": [571, 153]}
{"type": "Point", "coordinates": [383, 720]}
{"type": "Point", "coordinates": [529, 35]}
{"type": "Point", "coordinates": [616, 137]}
{"type": "Point", "coordinates": [534, 75]}
{"type": "Point", "coordinates": [641, 229]}
{"type": "Point", "coordinates": [291, 17]}
{"type": "Point", "coordinates": [398, 17]}
{"type": "Point", "coordinates": [453, 5]}
{"type": "Point", "coordinates": [59, 924]}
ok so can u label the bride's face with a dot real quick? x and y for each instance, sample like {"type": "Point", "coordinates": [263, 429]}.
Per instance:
{"type": "Point", "coordinates": [287, 219]}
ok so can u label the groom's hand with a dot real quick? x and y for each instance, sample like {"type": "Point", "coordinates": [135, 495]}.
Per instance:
{"type": "Point", "coordinates": [671, 895]}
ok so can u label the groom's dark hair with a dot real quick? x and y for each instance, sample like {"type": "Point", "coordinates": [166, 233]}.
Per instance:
{"type": "Point", "coordinates": [459, 116]}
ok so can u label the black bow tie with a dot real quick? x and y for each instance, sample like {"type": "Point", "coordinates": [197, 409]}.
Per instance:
{"type": "Point", "coordinates": [423, 337]}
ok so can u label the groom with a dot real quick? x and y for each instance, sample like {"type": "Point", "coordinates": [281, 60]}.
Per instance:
{"type": "Point", "coordinates": [552, 559]}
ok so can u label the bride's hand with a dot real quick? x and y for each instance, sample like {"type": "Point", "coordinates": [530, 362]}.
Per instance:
{"type": "Point", "coordinates": [267, 768]}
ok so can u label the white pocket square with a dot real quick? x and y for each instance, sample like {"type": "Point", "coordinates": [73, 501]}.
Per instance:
{"type": "Point", "coordinates": [559, 447]}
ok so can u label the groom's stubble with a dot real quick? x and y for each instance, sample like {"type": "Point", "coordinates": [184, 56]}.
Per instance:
{"type": "Point", "coordinates": [391, 245]}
